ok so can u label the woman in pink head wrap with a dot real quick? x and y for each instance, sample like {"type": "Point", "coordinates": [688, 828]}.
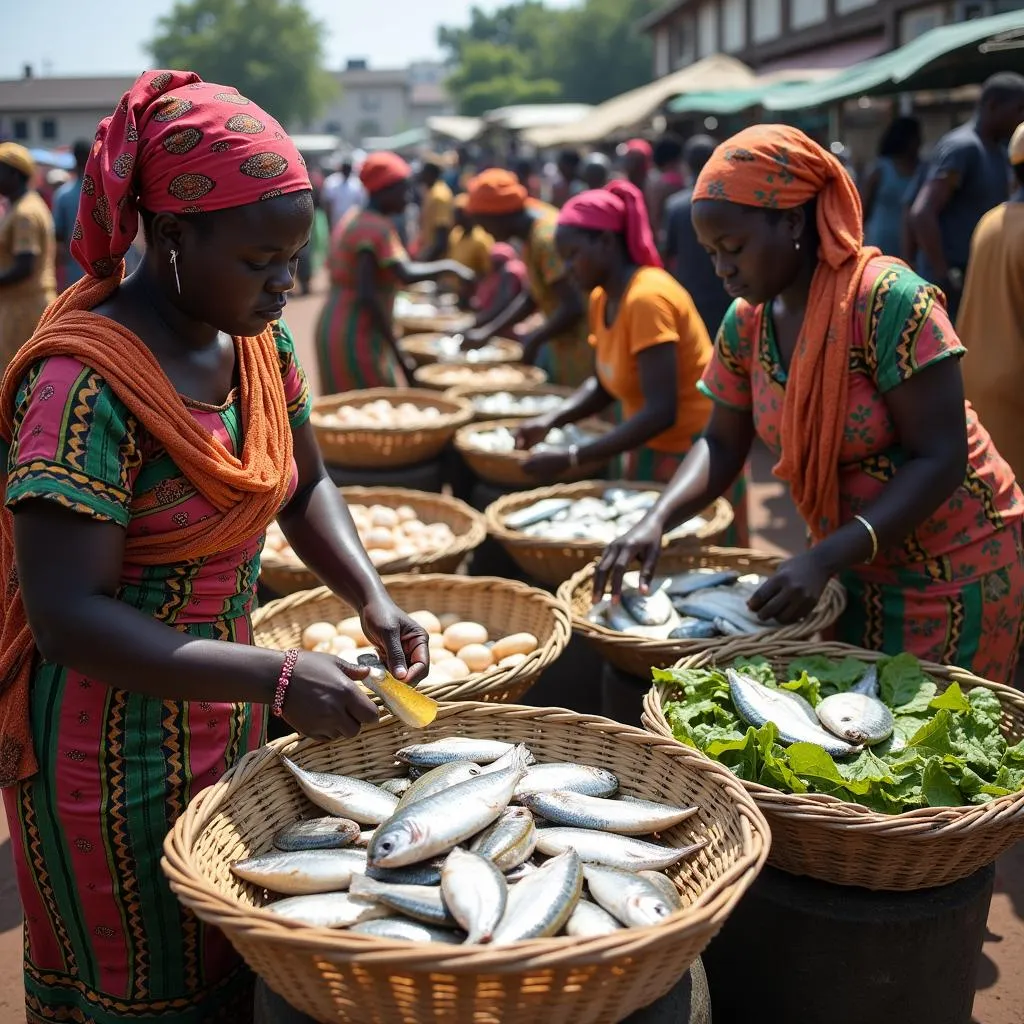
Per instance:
{"type": "Point", "coordinates": [651, 344]}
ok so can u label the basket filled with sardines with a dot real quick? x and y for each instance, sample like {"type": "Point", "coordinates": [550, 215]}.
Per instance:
{"type": "Point", "coordinates": [877, 771]}
{"type": "Point", "coordinates": [699, 604]}
{"type": "Point", "coordinates": [517, 863]}
{"type": "Point", "coordinates": [554, 532]}
{"type": "Point", "coordinates": [437, 347]}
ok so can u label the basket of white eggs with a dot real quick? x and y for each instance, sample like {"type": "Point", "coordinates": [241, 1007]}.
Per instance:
{"type": "Point", "coordinates": [402, 531]}
{"type": "Point", "coordinates": [489, 638]}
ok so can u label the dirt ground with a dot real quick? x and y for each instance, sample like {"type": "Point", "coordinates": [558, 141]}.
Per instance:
{"type": "Point", "coordinates": [1000, 996]}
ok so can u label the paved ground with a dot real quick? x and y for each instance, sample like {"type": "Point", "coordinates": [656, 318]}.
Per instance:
{"type": "Point", "coordinates": [1000, 998]}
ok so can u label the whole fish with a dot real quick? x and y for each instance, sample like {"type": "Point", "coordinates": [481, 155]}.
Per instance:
{"type": "Point", "coordinates": [420, 902]}
{"type": "Point", "coordinates": [438, 779]}
{"type": "Point", "coordinates": [346, 797]}
{"type": "Point", "coordinates": [651, 609]}
{"type": "Point", "coordinates": [326, 909]}
{"type": "Point", "coordinates": [317, 834]}
{"type": "Point", "coordinates": [623, 817]}
{"type": "Point", "coordinates": [303, 872]}
{"type": "Point", "coordinates": [699, 579]}
{"type": "Point", "coordinates": [856, 718]}
{"type": "Point", "coordinates": [589, 920]}
{"type": "Point", "coordinates": [404, 930]}
{"type": "Point", "coordinates": [792, 716]}
{"type": "Point", "coordinates": [396, 787]}
{"type": "Point", "coordinates": [726, 604]}
{"type": "Point", "coordinates": [427, 873]}
{"type": "Point", "coordinates": [510, 841]}
{"type": "Point", "coordinates": [475, 893]}
{"type": "Point", "coordinates": [442, 821]}
{"type": "Point", "coordinates": [626, 896]}
{"type": "Point", "coordinates": [504, 761]}
{"type": "Point", "coordinates": [541, 903]}
{"type": "Point", "coordinates": [538, 512]}
{"type": "Point", "coordinates": [868, 683]}
{"type": "Point", "coordinates": [406, 703]}
{"type": "Point", "coordinates": [693, 629]}
{"type": "Point", "coordinates": [453, 748]}
{"type": "Point", "coordinates": [576, 778]}
{"type": "Point", "coordinates": [665, 886]}
{"type": "Point", "coordinates": [612, 850]}
{"type": "Point", "coordinates": [619, 619]}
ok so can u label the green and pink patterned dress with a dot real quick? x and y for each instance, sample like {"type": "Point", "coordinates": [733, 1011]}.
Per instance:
{"type": "Point", "coordinates": [105, 939]}
{"type": "Point", "coordinates": [953, 590]}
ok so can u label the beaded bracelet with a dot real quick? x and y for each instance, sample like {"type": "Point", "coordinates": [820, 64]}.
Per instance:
{"type": "Point", "coordinates": [290, 658]}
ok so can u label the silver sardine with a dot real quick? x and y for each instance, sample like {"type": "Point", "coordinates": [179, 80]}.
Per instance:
{"type": "Point", "coordinates": [626, 896]}
{"type": "Point", "coordinates": [576, 778]}
{"type": "Point", "coordinates": [612, 850]}
{"type": "Point", "coordinates": [475, 893]}
{"type": "Point", "coordinates": [453, 748]}
{"type": "Point", "coordinates": [317, 834]}
{"type": "Point", "coordinates": [420, 902]}
{"type": "Point", "coordinates": [304, 872]}
{"type": "Point", "coordinates": [541, 903]}
{"type": "Point", "coordinates": [404, 930]}
{"type": "Point", "coordinates": [856, 718]}
{"type": "Point", "coordinates": [326, 909]}
{"type": "Point", "coordinates": [651, 609]}
{"type": "Point", "coordinates": [589, 920]}
{"type": "Point", "coordinates": [623, 817]}
{"type": "Point", "coordinates": [438, 779]}
{"type": "Point", "coordinates": [346, 797]}
{"type": "Point", "coordinates": [510, 841]}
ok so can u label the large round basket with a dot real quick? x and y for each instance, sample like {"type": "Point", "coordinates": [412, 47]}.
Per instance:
{"type": "Point", "coordinates": [506, 468]}
{"type": "Point", "coordinates": [465, 522]}
{"type": "Point", "coordinates": [333, 975]}
{"type": "Point", "coordinates": [637, 655]}
{"type": "Point", "coordinates": [503, 606]}
{"type": "Point", "coordinates": [847, 844]}
{"type": "Point", "coordinates": [471, 392]}
{"type": "Point", "coordinates": [439, 323]}
{"type": "Point", "coordinates": [553, 561]}
{"type": "Point", "coordinates": [421, 348]}
{"type": "Point", "coordinates": [442, 376]}
{"type": "Point", "coordinates": [377, 447]}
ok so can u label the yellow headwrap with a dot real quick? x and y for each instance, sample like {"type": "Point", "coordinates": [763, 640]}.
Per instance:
{"type": "Point", "coordinates": [17, 157]}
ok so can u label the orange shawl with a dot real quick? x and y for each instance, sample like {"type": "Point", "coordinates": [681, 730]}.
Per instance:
{"type": "Point", "coordinates": [778, 167]}
{"type": "Point", "coordinates": [247, 491]}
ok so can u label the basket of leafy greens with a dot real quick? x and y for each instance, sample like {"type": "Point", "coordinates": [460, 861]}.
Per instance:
{"type": "Point", "coordinates": [930, 797]}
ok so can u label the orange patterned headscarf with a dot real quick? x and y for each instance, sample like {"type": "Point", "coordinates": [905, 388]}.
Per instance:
{"type": "Point", "coordinates": [496, 192]}
{"type": "Point", "coordinates": [778, 167]}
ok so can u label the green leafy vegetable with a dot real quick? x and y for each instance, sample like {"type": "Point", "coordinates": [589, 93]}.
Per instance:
{"type": "Point", "coordinates": [903, 686]}
{"type": "Point", "coordinates": [834, 676]}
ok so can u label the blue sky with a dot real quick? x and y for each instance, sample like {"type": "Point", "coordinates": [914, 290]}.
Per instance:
{"type": "Point", "coordinates": [65, 37]}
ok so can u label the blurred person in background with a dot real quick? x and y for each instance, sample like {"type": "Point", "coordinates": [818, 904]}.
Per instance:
{"type": "Point", "coordinates": [65, 213]}
{"type": "Point", "coordinates": [567, 182]}
{"type": "Point", "coordinates": [884, 190]}
{"type": "Point", "coordinates": [28, 252]}
{"type": "Point", "coordinates": [342, 190]}
{"type": "Point", "coordinates": [437, 212]}
{"type": "Point", "coordinates": [506, 280]}
{"type": "Point", "coordinates": [471, 246]}
{"type": "Point", "coordinates": [527, 174]}
{"type": "Point", "coordinates": [314, 252]}
{"type": "Point", "coordinates": [667, 181]}
{"type": "Point", "coordinates": [968, 175]}
{"type": "Point", "coordinates": [637, 161]}
{"type": "Point", "coordinates": [596, 171]}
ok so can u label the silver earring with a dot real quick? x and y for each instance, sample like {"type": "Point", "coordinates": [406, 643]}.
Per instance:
{"type": "Point", "coordinates": [177, 280]}
{"type": "Point", "coordinates": [796, 245]}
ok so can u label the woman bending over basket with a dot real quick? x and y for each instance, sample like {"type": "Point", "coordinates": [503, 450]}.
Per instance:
{"type": "Point", "coordinates": [844, 363]}
{"type": "Point", "coordinates": [153, 427]}
{"type": "Point", "coordinates": [355, 338]}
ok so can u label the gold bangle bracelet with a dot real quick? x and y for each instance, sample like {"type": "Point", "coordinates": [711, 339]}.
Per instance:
{"type": "Point", "coordinates": [871, 533]}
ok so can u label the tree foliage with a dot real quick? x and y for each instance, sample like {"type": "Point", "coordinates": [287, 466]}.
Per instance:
{"type": "Point", "coordinates": [528, 52]}
{"type": "Point", "coordinates": [270, 50]}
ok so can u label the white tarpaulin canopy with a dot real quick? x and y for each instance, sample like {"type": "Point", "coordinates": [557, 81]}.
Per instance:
{"type": "Point", "coordinates": [451, 126]}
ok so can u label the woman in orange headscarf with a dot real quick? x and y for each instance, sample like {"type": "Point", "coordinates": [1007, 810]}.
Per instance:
{"type": "Point", "coordinates": [845, 364]}
{"type": "Point", "coordinates": [152, 428]}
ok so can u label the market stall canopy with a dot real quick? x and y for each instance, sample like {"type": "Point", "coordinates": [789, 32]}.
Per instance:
{"type": "Point", "coordinates": [734, 101]}
{"type": "Point", "coordinates": [316, 145]}
{"type": "Point", "coordinates": [618, 115]}
{"type": "Point", "coordinates": [414, 138]}
{"type": "Point", "coordinates": [451, 126]}
{"type": "Point", "coordinates": [944, 58]}
{"type": "Point", "coordinates": [525, 116]}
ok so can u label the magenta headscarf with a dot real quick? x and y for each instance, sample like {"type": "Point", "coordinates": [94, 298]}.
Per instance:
{"type": "Point", "coordinates": [618, 207]}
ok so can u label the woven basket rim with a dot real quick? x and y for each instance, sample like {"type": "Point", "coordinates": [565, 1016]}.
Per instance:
{"type": "Point", "coordinates": [419, 345]}
{"type": "Point", "coordinates": [829, 811]}
{"type": "Point", "coordinates": [470, 390]}
{"type": "Point", "coordinates": [425, 374]}
{"type": "Point", "coordinates": [717, 900]}
{"type": "Point", "coordinates": [458, 413]}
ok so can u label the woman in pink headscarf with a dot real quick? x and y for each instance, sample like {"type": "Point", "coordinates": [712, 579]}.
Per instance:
{"type": "Point", "coordinates": [650, 343]}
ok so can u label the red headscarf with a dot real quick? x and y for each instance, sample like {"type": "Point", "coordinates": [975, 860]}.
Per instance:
{"type": "Point", "coordinates": [382, 170]}
{"type": "Point", "coordinates": [177, 144]}
{"type": "Point", "coordinates": [644, 148]}
{"type": "Point", "coordinates": [778, 167]}
{"type": "Point", "coordinates": [618, 207]}
{"type": "Point", "coordinates": [496, 192]}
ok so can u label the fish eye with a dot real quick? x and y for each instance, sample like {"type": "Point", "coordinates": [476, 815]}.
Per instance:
{"type": "Point", "coordinates": [386, 846]}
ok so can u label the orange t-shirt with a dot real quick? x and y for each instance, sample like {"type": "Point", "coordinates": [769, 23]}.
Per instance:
{"type": "Point", "coordinates": [655, 310]}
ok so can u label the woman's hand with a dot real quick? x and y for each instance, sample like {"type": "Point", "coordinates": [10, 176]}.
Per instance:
{"type": "Point", "coordinates": [641, 544]}
{"type": "Point", "coordinates": [401, 641]}
{"type": "Point", "coordinates": [323, 702]}
{"type": "Point", "coordinates": [793, 591]}
{"type": "Point", "coordinates": [532, 432]}
{"type": "Point", "coordinates": [547, 464]}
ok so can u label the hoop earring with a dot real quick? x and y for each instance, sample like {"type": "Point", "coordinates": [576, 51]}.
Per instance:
{"type": "Point", "coordinates": [174, 264]}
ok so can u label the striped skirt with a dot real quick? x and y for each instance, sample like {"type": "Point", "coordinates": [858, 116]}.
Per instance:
{"type": "Point", "coordinates": [351, 352]}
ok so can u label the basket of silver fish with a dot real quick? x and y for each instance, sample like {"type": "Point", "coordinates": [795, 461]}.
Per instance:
{"type": "Point", "coordinates": [419, 314]}
{"type": "Point", "coordinates": [442, 376]}
{"type": "Point", "coordinates": [554, 532]}
{"type": "Point", "coordinates": [504, 863]}
{"type": "Point", "coordinates": [437, 347]}
{"type": "Point", "coordinates": [490, 403]}
{"type": "Point", "coordinates": [489, 449]}
{"type": "Point", "coordinates": [701, 604]}
{"type": "Point", "coordinates": [402, 531]}
{"type": "Point", "coordinates": [392, 427]}
{"type": "Point", "coordinates": [882, 772]}
{"type": "Point", "coordinates": [489, 638]}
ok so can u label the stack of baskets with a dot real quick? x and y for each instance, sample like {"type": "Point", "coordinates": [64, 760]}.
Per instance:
{"type": "Point", "coordinates": [442, 376]}
{"type": "Point", "coordinates": [422, 349]}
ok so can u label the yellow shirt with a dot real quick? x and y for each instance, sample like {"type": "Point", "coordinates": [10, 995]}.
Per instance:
{"type": "Point", "coordinates": [655, 310]}
{"type": "Point", "coordinates": [472, 249]}
{"type": "Point", "coordinates": [28, 228]}
{"type": "Point", "coordinates": [438, 212]}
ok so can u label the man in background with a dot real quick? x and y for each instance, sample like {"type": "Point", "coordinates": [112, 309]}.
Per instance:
{"type": "Point", "coordinates": [65, 213]}
{"type": "Point", "coordinates": [668, 162]}
{"type": "Point", "coordinates": [437, 213]}
{"type": "Point", "coordinates": [568, 183]}
{"type": "Point", "coordinates": [596, 171]}
{"type": "Point", "coordinates": [637, 161]}
{"type": "Point", "coordinates": [342, 192]}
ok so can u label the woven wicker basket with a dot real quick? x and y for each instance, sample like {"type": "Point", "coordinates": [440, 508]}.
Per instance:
{"type": "Point", "coordinates": [420, 348]}
{"type": "Point", "coordinates": [442, 323]}
{"type": "Point", "coordinates": [466, 523]}
{"type": "Point", "coordinates": [377, 447]}
{"type": "Point", "coordinates": [553, 562]}
{"type": "Point", "coordinates": [636, 655]}
{"type": "Point", "coordinates": [848, 844]}
{"type": "Point", "coordinates": [471, 391]}
{"type": "Point", "coordinates": [503, 606]}
{"type": "Point", "coordinates": [334, 975]}
{"type": "Point", "coordinates": [506, 468]}
{"type": "Point", "coordinates": [438, 376]}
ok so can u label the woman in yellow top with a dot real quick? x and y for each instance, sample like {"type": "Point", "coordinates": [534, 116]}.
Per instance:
{"type": "Point", "coordinates": [651, 345]}
{"type": "Point", "coordinates": [469, 245]}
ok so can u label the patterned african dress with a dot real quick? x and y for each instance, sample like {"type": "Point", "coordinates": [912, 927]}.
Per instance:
{"type": "Point", "coordinates": [953, 590]}
{"type": "Point", "coordinates": [105, 939]}
{"type": "Point", "coordinates": [351, 351]}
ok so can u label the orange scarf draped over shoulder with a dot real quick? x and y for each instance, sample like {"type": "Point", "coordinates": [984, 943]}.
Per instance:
{"type": "Point", "coordinates": [247, 490]}
{"type": "Point", "coordinates": [778, 167]}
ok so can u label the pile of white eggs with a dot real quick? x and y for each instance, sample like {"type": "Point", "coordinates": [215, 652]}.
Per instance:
{"type": "Point", "coordinates": [448, 375]}
{"type": "Point", "coordinates": [379, 413]}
